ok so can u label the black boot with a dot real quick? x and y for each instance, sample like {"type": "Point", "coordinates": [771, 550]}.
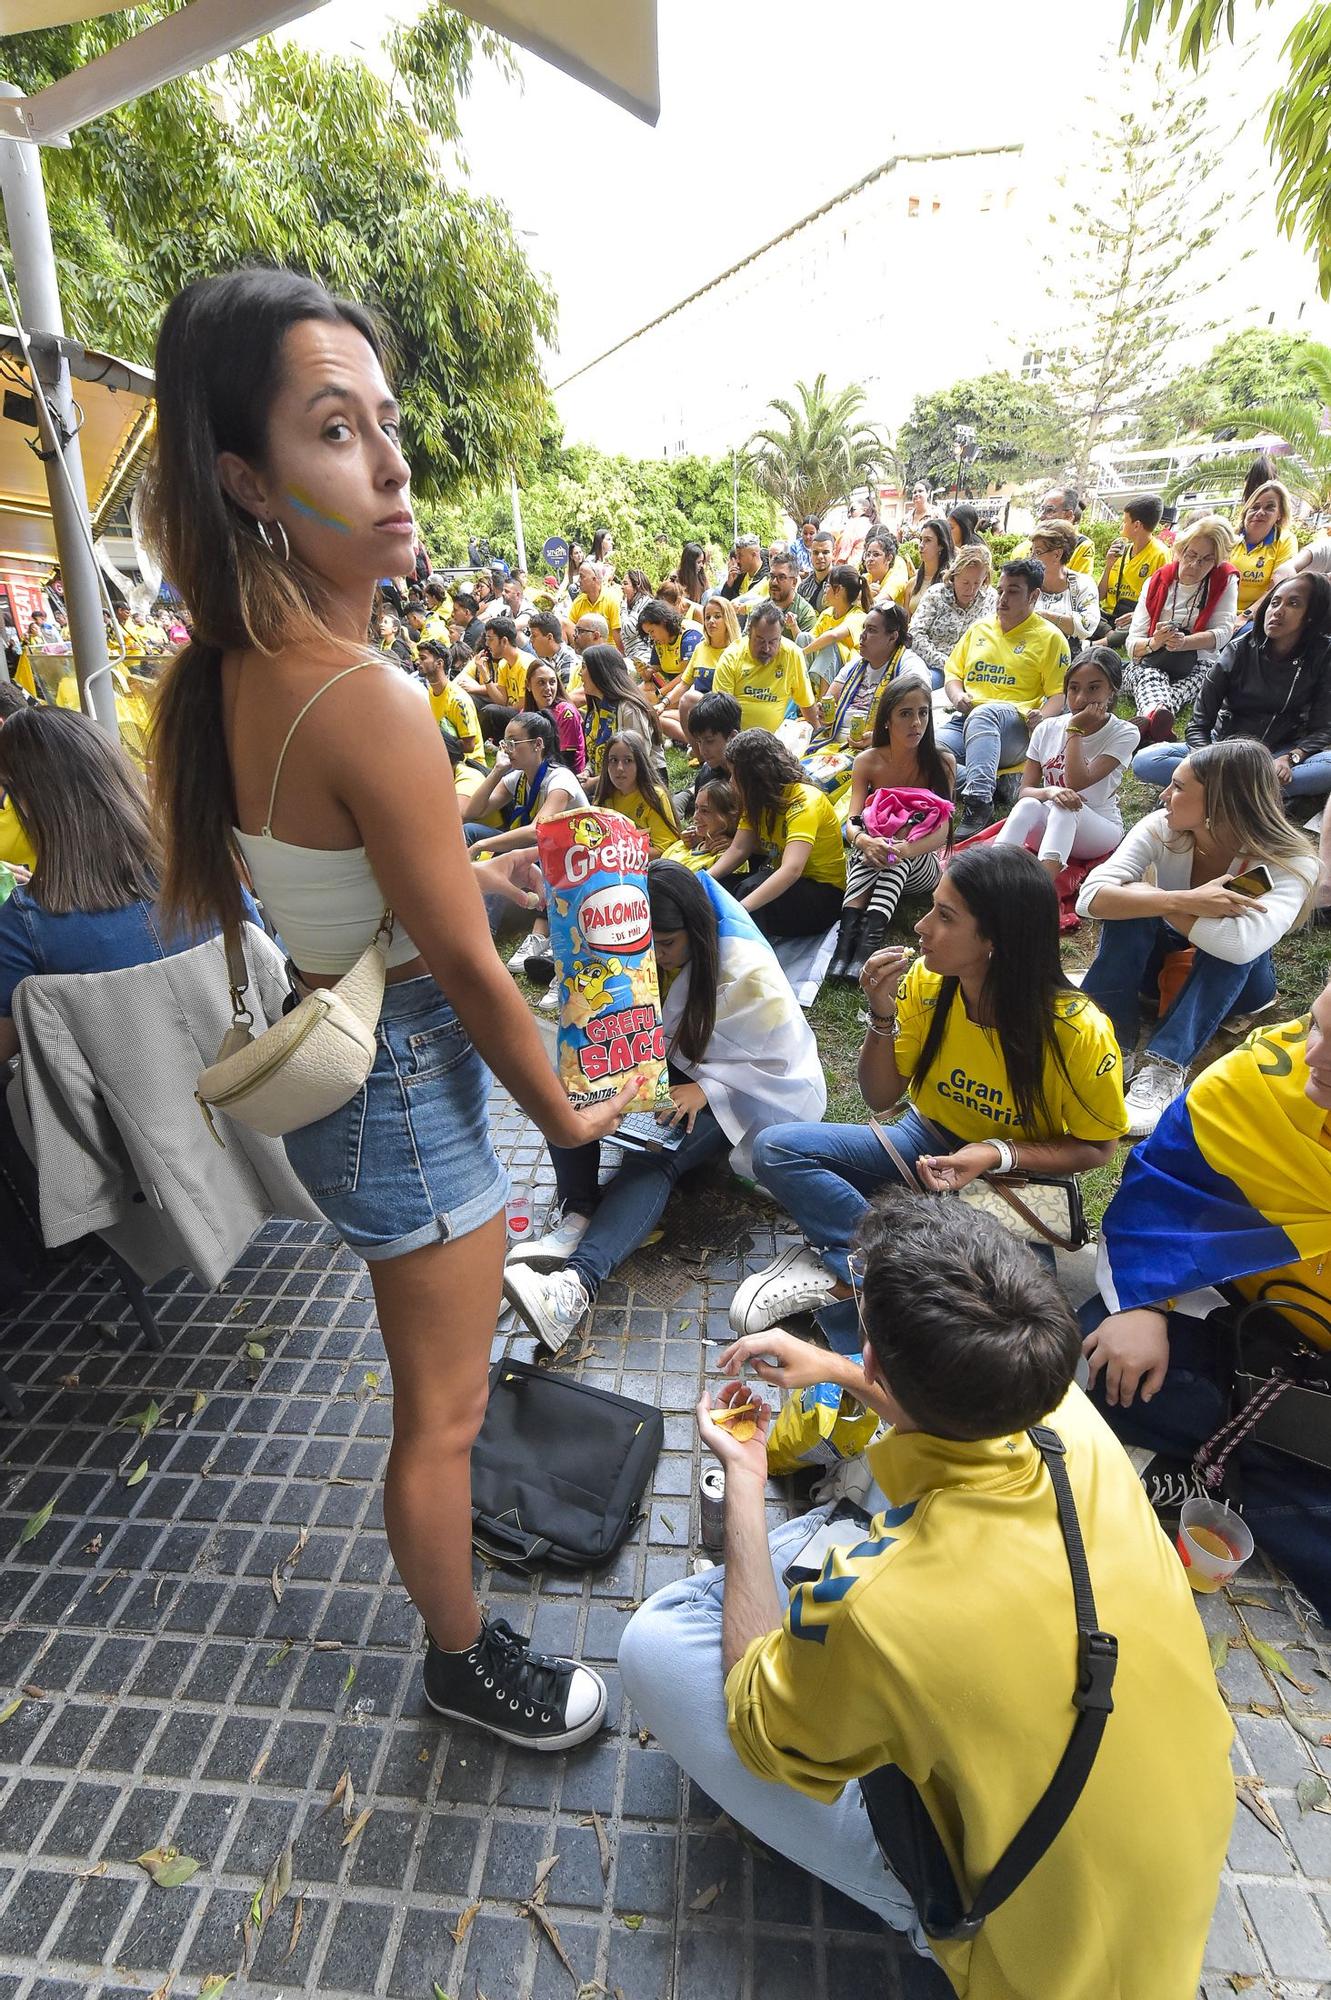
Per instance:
{"type": "Point", "coordinates": [873, 936]}
{"type": "Point", "coordinates": [847, 941]}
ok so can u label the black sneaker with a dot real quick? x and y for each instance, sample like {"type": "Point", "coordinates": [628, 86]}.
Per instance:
{"type": "Point", "coordinates": [973, 816]}
{"type": "Point", "coordinates": [532, 1699]}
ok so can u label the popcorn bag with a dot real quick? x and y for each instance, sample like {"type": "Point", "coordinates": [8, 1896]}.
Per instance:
{"type": "Point", "coordinates": [595, 869]}
{"type": "Point", "coordinates": [820, 1426]}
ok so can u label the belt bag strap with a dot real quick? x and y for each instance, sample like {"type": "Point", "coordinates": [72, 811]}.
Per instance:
{"type": "Point", "coordinates": [942, 1910]}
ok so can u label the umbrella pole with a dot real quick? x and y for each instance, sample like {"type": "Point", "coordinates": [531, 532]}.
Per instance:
{"type": "Point", "coordinates": [33, 255]}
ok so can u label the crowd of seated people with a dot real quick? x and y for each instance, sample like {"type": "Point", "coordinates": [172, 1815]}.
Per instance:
{"type": "Point", "coordinates": [820, 735]}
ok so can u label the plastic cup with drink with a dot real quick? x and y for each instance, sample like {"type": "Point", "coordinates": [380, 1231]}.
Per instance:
{"type": "Point", "coordinates": [1213, 1541]}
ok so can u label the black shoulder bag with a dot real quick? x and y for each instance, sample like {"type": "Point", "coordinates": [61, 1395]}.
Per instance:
{"type": "Point", "coordinates": [907, 1837]}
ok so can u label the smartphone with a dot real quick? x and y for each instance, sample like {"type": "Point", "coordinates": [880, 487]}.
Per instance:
{"type": "Point", "coordinates": [1253, 882]}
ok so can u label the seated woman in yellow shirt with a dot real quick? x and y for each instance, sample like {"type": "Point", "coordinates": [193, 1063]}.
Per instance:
{"type": "Point", "coordinates": [798, 893]}
{"type": "Point", "coordinates": [15, 846]}
{"type": "Point", "coordinates": [1001, 1062]}
{"type": "Point", "coordinates": [1264, 541]}
{"type": "Point", "coordinates": [835, 638]}
{"type": "Point", "coordinates": [628, 784]}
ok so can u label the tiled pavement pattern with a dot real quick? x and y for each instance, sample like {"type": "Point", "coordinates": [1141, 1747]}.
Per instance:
{"type": "Point", "coordinates": [168, 1699]}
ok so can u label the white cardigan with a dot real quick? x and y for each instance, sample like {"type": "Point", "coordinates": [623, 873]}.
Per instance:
{"type": "Point", "coordinates": [1239, 940]}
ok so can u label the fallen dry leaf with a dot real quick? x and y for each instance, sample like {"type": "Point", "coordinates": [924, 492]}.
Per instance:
{"type": "Point", "coordinates": [214, 1984]}
{"type": "Point", "coordinates": [602, 1842]}
{"type": "Point", "coordinates": [1275, 1662]}
{"type": "Point", "coordinates": [706, 1897]}
{"type": "Point", "coordinates": [464, 1922]}
{"type": "Point", "coordinates": [1251, 1795]}
{"type": "Point", "coordinates": [69, 1381]}
{"type": "Point", "coordinates": [551, 1929]}
{"type": "Point", "coordinates": [278, 1582]}
{"type": "Point", "coordinates": [259, 1765]}
{"type": "Point", "coordinates": [644, 1738]}
{"type": "Point", "coordinates": [168, 1866]}
{"type": "Point", "coordinates": [543, 1873]}
{"type": "Point", "coordinates": [275, 1884]}
{"type": "Point", "coordinates": [160, 1992]}
{"type": "Point", "coordinates": [11, 1709]}
{"type": "Point", "coordinates": [631, 1923]}
{"type": "Point", "coordinates": [1312, 1793]}
{"type": "Point", "coordinates": [357, 1826]}
{"type": "Point", "coordinates": [91, 1874]}
{"type": "Point", "coordinates": [33, 1692]}
{"type": "Point", "coordinates": [33, 1526]}
{"type": "Point", "coordinates": [1219, 1650]}
{"type": "Point", "coordinates": [94, 1547]}
{"type": "Point", "coordinates": [297, 1924]}
{"type": "Point", "coordinates": [339, 1793]}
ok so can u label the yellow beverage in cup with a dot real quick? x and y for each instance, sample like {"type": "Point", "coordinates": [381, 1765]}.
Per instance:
{"type": "Point", "coordinates": [1214, 1543]}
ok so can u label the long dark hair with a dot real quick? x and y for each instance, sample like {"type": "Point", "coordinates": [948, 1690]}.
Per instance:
{"type": "Point", "coordinates": [680, 902]}
{"type": "Point", "coordinates": [945, 550]}
{"type": "Point", "coordinates": [691, 575]}
{"type": "Point", "coordinates": [599, 540]}
{"type": "Point", "coordinates": [82, 805]}
{"type": "Point", "coordinates": [844, 577]}
{"type": "Point", "coordinates": [1015, 906]}
{"type": "Point", "coordinates": [639, 582]}
{"type": "Point", "coordinates": [933, 769]}
{"type": "Point", "coordinates": [762, 771]}
{"type": "Point", "coordinates": [967, 520]}
{"type": "Point", "coordinates": [604, 673]}
{"type": "Point", "coordinates": [1317, 619]}
{"type": "Point", "coordinates": [218, 371]}
{"type": "Point", "coordinates": [645, 778]}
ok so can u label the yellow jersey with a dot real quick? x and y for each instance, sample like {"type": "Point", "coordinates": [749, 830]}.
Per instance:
{"type": "Point", "coordinates": [968, 1091]}
{"type": "Point", "coordinates": [659, 830]}
{"type": "Point", "coordinates": [510, 678]}
{"type": "Point", "coordinates": [807, 814]}
{"type": "Point", "coordinates": [1129, 575]}
{"type": "Point", "coordinates": [454, 709]}
{"type": "Point", "coordinates": [15, 846]}
{"type": "Point", "coordinates": [700, 667]}
{"type": "Point", "coordinates": [764, 693]}
{"type": "Point", "coordinates": [1025, 665]}
{"type": "Point", "coordinates": [606, 606]}
{"type": "Point", "coordinates": [844, 649]}
{"type": "Point", "coordinates": [436, 624]}
{"type": "Point", "coordinates": [944, 1643]}
{"type": "Point", "coordinates": [1257, 566]}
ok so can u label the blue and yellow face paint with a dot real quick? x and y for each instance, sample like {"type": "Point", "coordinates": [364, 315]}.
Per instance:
{"type": "Point", "coordinates": [312, 511]}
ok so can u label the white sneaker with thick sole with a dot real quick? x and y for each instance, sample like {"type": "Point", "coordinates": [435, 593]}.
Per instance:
{"type": "Point", "coordinates": [553, 1305]}
{"type": "Point", "coordinates": [797, 1282]}
{"type": "Point", "coordinates": [548, 1252]}
{"type": "Point", "coordinates": [1154, 1089]}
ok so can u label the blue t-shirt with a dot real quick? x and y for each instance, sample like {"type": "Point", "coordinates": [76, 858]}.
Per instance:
{"type": "Point", "coordinates": [33, 940]}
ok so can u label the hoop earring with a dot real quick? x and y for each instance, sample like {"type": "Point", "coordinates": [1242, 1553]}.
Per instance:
{"type": "Point", "coordinates": [265, 531]}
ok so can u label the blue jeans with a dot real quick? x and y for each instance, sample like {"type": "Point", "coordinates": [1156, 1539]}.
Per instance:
{"type": "Point", "coordinates": [1157, 763]}
{"type": "Point", "coordinates": [627, 1209]}
{"type": "Point", "coordinates": [991, 736]}
{"type": "Point", "coordinates": [1127, 964]}
{"type": "Point", "coordinates": [670, 1661]}
{"type": "Point", "coordinates": [1286, 1503]}
{"type": "Point", "coordinates": [825, 1176]}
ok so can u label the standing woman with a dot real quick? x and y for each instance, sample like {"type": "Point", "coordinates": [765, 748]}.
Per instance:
{"type": "Point", "coordinates": [636, 591]}
{"type": "Point", "coordinates": [964, 523]}
{"type": "Point", "coordinates": [902, 753]}
{"type": "Point", "coordinates": [936, 552]}
{"type": "Point", "coordinates": [1264, 541]}
{"type": "Point", "coordinates": [603, 552]}
{"type": "Point", "coordinates": [277, 495]}
{"type": "Point", "coordinates": [692, 578]}
{"type": "Point", "coordinates": [615, 707]}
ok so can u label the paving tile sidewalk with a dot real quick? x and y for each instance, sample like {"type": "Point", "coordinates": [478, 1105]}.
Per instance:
{"type": "Point", "coordinates": [170, 1695]}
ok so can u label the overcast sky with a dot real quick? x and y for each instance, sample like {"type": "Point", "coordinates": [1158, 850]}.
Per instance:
{"type": "Point", "coordinates": [765, 114]}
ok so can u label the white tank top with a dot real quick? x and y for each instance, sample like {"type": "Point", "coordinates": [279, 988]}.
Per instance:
{"type": "Point", "coordinates": [324, 902]}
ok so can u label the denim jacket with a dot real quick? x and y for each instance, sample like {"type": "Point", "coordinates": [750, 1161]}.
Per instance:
{"type": "Point", "coordinates": [33, 940]}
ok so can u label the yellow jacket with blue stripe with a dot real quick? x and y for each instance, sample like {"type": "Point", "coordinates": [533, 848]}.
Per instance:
{"type": "Point", "coordinates": [946, 1643]}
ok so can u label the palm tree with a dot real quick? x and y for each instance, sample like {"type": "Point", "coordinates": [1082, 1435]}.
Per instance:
{"type": "Point", "coordinates": [1306, 468]}
{"type": "Point", "coordinates": [821, 450]}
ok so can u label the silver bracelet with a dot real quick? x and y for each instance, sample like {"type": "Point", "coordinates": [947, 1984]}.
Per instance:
{"type": "Point", "coordinates": [886, 1026]}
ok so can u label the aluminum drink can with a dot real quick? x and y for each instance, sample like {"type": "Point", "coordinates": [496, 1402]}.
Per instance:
{"type": "Point", "coordinates": [712, 1508]}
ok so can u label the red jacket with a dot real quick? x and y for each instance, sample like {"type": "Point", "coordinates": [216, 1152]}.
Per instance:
{"type": "Point", "coordinates": [1159, 587]}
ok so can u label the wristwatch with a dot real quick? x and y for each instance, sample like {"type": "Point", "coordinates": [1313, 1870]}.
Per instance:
{"type": "Point", "coordinates": [1295, 757]}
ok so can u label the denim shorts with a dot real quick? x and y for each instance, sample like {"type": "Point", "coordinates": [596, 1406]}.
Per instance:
{"type": "Point", "coordinates": [409, 1160]}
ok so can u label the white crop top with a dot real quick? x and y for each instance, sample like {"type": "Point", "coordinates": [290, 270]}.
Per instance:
{"type": "Point", "coordinates": [323, 901]}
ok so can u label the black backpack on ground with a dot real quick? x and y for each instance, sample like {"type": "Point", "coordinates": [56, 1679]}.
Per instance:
{"type": "Point", "coordinates": [559, 1470]}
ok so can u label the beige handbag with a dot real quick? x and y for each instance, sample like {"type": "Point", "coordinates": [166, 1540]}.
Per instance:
{"type": "Point", "coordinates": [311, 1062]}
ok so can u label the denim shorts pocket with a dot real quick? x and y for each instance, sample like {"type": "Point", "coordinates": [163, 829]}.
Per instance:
{"type": "Point", "coordinates": [326, 1156]}
{"type": "Point", "coordinates": [435, 1051]}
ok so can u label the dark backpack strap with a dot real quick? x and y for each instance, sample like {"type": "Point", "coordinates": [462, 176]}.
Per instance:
{"type": "Point", "coordinates": [926, 1871]}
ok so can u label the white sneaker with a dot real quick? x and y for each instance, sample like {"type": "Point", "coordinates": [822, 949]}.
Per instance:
{"type": "Point", "coordinates": [548, 1252]}
{"type": "Point", "coordinates": [1154, 1089]}
{"type": "Point", "coordinates": [797, 1282]}
{"type": "Point", "coordinates": [553, 1306]}
{"type": "Point", "coordinates": [549, 1003]}
{"type": "Point", "coordinates": [518, 956]}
